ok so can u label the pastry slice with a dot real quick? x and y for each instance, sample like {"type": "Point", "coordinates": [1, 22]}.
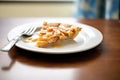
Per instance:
{"type": "Point", "coordinates": [51, 33]}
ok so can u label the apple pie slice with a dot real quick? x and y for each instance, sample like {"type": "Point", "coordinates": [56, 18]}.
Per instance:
{"type": "Point", "coordinates": [51, 33]}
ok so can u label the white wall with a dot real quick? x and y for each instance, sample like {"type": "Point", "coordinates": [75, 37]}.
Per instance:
{"type": "Point", "coordinates": [19, 9]}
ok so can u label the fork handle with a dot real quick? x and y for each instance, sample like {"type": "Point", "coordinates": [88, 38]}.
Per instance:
{"type": "Point", "coordinates": [9, 45]}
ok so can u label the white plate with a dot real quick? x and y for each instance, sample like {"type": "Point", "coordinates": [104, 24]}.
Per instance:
{"type": "Point", "coordinates": [88, 38]}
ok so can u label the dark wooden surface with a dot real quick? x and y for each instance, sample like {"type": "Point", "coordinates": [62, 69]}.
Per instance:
{"type": "Point", "coordinates": [100, 63]}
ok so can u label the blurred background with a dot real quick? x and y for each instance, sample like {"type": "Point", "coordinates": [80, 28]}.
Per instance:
{"type": "Point", "coordinates": [36, 8]}
{"type": "Point", "coordinates": [108, 9]}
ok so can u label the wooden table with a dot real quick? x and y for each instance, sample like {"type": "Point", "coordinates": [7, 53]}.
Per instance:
{"type": "Point", "coordinates": [100, 63]}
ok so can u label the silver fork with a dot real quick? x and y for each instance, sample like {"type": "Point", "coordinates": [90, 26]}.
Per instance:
{"type": "Point", "coordinates": [27, 32]}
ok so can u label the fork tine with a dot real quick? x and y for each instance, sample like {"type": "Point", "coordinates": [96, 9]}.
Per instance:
{"type": "Point", "coordinates": [30, 30]}
{"type": "Point", "coordinates": [33, 30]}
{"type": "Point", "coordinates": [27, 29]}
